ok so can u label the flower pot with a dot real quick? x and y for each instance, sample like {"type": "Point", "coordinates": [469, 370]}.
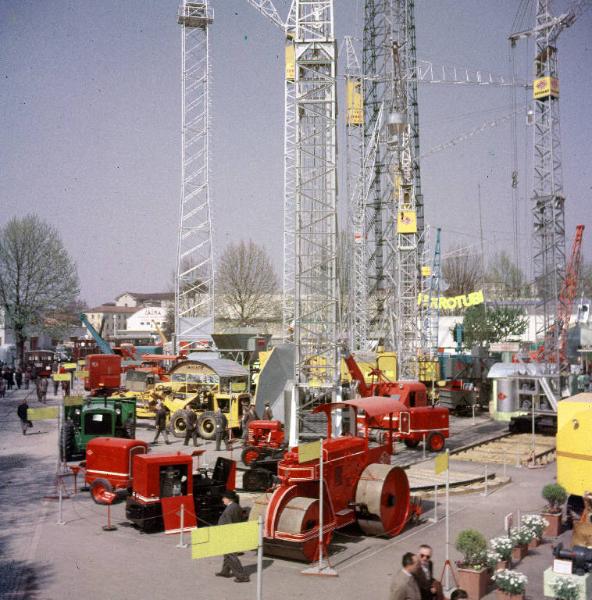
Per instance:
{"type": "Point", "coordinates": [553, 529]}
{"type": "Point", "coordinates": [534, 543]}
{"type": "Point", "coordinates": [500, 595]}
{"type": "Point", "coordinates": [501, 565]}
{"type": "Point", "coordinates": [519, 552]}
{"type": "Point", "coordinates": [473, 582]}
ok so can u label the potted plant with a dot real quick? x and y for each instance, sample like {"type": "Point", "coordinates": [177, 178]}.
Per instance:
{"type": "Point", "coordinates": [565, 589]}
{"type": "Point", "coordinates": [521, 537]}
{"type": "Point", "coordinates": [510, 584]}
{"type": "Point", "coordinates": [536, 524]}
{"type": "Point", "coordinates": [473, 575]}
{"type": "Point", "coordinates": [502, 546]}
{"type": "Point", "coordinates": [555, 495]}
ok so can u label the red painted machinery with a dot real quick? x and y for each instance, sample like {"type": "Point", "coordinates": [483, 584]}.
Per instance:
{"type": "Point", "coordinates": [121, 467]}
{"type": "Point", "coordinates": [265, 439]}
{"type": "Point", "coordinates": [104, 372]}
{"type": "Point", "coordinates": [419, 420]}
{"type": "Point", "coordinates": [359, 483]}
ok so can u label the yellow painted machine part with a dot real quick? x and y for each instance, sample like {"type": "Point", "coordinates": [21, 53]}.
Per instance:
{"type": "Point", "coordinates": [290, 61]}
{"type": "Point", "coordinates": [574, 450]}
{"type": "Point", "coordinates": [354, 101]}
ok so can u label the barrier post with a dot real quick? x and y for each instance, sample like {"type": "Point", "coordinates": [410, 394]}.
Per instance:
{"type": "Point", "coordinates": [60, 520]}
{"type": "Point", "coordinates": [181, 543]}
{"type": "Point", "coordinates": [424, 445]}
{"type": "Point", "coordinates": [484, 493]}
{"type": "Point", "coordinates": [434, 519]}
{"type": "Point", "coordinates": [260, 561]}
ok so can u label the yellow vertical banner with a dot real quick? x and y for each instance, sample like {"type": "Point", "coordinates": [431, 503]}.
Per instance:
{"type": "Point", "coordinates": [310, 451]}
{"type": "Point", "coordinates": [224, 539]}
{"type": "Point", "coordinates": [290, 62]}
{"type": "Point", "coordinates": [354, 102]}
{"type": "Point", "coordinates": [441, 463]}
{"type": "Point", "coordinates": [407, 221]}
{"type": "Point", "coordinates": [41, 414]}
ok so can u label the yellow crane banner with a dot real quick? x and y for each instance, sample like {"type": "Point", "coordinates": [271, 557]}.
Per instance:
{"type": "Point", "coordinates": [41, 414]}
{"type": "Point", "coordinates": [224, 539]}
{"type": "Point", "coordinates": [453, 302]}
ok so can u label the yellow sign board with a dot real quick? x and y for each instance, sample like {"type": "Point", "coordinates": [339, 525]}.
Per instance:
{"type": "Point", "coordinates": [73, 401]}
{"type": "Point", "coordinates": [41, 414]}
{"type": "Point", "coordinates": [81, 374]}
{"type": "Point", "coordinates": [224, 539]}
{"type": "Point", "coordinates": [310, 451]}
{"type": "Point", "coordinates": [441, 463]}
{"type": "Point", "coordinates": [69, 366]}
{"type": "Point", "coordinates": [426, 271]}
{"type": "Point", "coordinates": [354, 102]}
{"type": "Point", "coordinates": [407, 221]}
{"type": "Point", "coordinates": [290, 62]}
{"type": "Point", "coordinates": [454, 302]}
{"type": "Point", "coordinates": [61, 376]}
{"type": "Point", "coordinates": [545, 87]}
{"type": "Point", "coordinates": [81, 363]}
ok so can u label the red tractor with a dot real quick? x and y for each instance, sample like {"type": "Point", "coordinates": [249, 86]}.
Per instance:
{"type": "Point", "coordinates": [416, 419]}
{"type": "Point", "coordinates": [118, 468]}
{"type": "Point", "coordinates": [266, 439]}
{"type": "Point", "coordinates": [360, 485]}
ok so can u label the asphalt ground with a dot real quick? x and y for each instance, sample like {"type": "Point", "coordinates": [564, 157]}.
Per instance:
{"type": "Point", "coordinates": [42, 560]}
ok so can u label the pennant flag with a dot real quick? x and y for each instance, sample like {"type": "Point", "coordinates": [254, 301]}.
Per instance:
{"type": "Point", "coordinates": [441, 463]}
{"type": "Point", "coordinates": [310, 451]}
{"type": "Point", "coordinates": [41, 414]}
{"type": "Point", "coordinates": [224, 539]}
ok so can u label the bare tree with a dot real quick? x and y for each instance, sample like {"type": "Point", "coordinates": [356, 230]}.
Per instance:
{"type": "Point", "coordinates": [37, 275]}
{"type": "Point", "coordinates": [247, 282]}
{"type": "Point", "coordinates": [506, 277]}
{"type": "Point", "coordinates": [462, 272]}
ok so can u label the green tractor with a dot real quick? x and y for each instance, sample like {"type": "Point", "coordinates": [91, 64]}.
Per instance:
{"type": "Point", "coordinates": [85, 419]}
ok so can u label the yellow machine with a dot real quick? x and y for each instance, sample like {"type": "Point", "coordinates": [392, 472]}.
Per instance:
{"type": "Point", "coordinates": [574, 459]}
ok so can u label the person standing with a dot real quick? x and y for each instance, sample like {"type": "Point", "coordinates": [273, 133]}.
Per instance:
{"type": "Point", "coordinates": [56, 384]}
{"type": "Point", "coordinates": [191, 427]}
{"type": "Point", "coordinates": [8, 378]}
{"type": "Point", "coordinates": [18, 377]}
{"type": "Point", "coordinates": [160, 423]}
{"type": "Point", "coordinates": [404, 585]}
{"type": "Point", "coordinates": [2, 387]}
{"type": "Point", "coordinates": [43, 385]}
{"type": "Point", "coordinates": [232, 514]}
{"type": "Point", "coordinates": [430, 588]}
{"type": "Point", "coordinates": [221, 429]}
{"type": "Point", "coordinates": [21, 411]}
{"type": "Point", "coordinates": [27, 376]}
{"type": "Point", "coordinates": [267, 412]}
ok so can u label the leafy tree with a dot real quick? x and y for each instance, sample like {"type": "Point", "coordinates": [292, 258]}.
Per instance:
{"type": "Point", "coordinates": [462, 272]}
{"type": "Point", "coordinates": [247, 282]}
{"type": "Point", "coordinates": [485, 326]}
{"type": "Point", "coordinates": [168, 327]}
{"type": "Point", "coordinates": [37, 275]}
{"type": "Point", "coordinates": [506, 277]}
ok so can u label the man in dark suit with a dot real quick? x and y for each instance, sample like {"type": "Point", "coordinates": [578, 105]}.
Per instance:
{"type": "Point", "coordinates": [430, 588]}
{"type": "Point", "coordinates": [404, 584]}
{"type": "Point", "coordinates": [233, 513]}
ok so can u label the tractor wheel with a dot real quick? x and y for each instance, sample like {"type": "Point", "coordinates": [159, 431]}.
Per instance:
{"type": "Point", "coordinates": [67, 441]}
{"type": "Point", "coordinates": [98, 488]}
{"type": "Point", "coordinates": [250, 454]}
{"type": "Point", "coordinates": [206, 426]}
{"type": "Point", "coordinates": [178, 424]}
{"type": "Point", "coordinates": [435, 442]}
{"type": "Point", "coordinates": [411, 443]}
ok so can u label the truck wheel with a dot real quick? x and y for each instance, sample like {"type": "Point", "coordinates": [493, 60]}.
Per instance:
{"type": "Point", "coordinates": [250, 454]}
{"type": "Point", "coordinates": [435, 442]}
{"type": "Point", "coordinates": [206, 426]}
{"type": "Point", "coordinates": [67, 441]}
{"type": "Point", "coordinates": [178, 424]}
{"type": "Point", "coordinates": [411, 443]}
{"type": "Point", "coordinates": [98, 488]}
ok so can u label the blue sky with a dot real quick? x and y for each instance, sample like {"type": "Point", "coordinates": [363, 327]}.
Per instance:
{"type": "Point", "coordinates": [91, 128]}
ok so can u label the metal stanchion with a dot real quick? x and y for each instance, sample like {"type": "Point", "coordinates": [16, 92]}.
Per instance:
{"type": "Point", "coordinates": [484, 493]}
{"type": "Point", "coordinates": [182, 543]}
{"type": "Point", "coordinates": [473, 408]}
{"type": "Point", "coordinates": [434, 519]}
{"type": "Point", "coordinates": [60, 520]}
{"type": "Point", "coordinates": [260, 561]}
{"type": "Point", "coordinates": [109, 526]}
{"type": "Point", "coordinates": [424, 445]}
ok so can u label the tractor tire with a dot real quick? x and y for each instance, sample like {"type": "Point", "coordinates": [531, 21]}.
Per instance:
{"type": "Point", "coordinates": [178, 424]}
{"type": "Point", "coordinates": [250, 454]}
{"type": "Point", "coordinates": [67, 441]}
{"type": "Point", "coordinates": [435, 442]}
{"type": "Point", "coordinates": [97, 488]}
{"type": "Point", "coordinates": [206, 426]}
{"type": "Point", "coordinates": [411, 443]}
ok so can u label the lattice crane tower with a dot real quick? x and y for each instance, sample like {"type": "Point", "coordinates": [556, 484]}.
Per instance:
{"type": "Point", "coordinates": [395, 207]}
{"type": "Point", "coordinates": [315, 301]}
{"type": "Point", "coordinates": [548, 200]}
{"type": "Point", "coordinates": [194, 293]}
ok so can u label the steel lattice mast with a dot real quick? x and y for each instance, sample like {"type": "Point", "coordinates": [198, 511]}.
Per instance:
{"type": "Point", "coordinates": [194, 293]}
{"type": "Point", "coordinates": [315, 300]}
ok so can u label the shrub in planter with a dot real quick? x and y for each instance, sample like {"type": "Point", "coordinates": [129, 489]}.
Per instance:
{"type": "Point", "coordinates": [565, 589]}
{"type": "Point", "coordinates": [537, 525]}
{"type": "Point", "coordinates": [473, 546]}
{"type": "Point", "coordinates": [503, 546]}
{"type": "Point", "coordinates": [493, 559]}
{"type": "Point", "coordinates": [521, 537]}
{"type": "Point", "coordinates": [555, 495]}
{"type": "Point", "coordinates": [510, 582]}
